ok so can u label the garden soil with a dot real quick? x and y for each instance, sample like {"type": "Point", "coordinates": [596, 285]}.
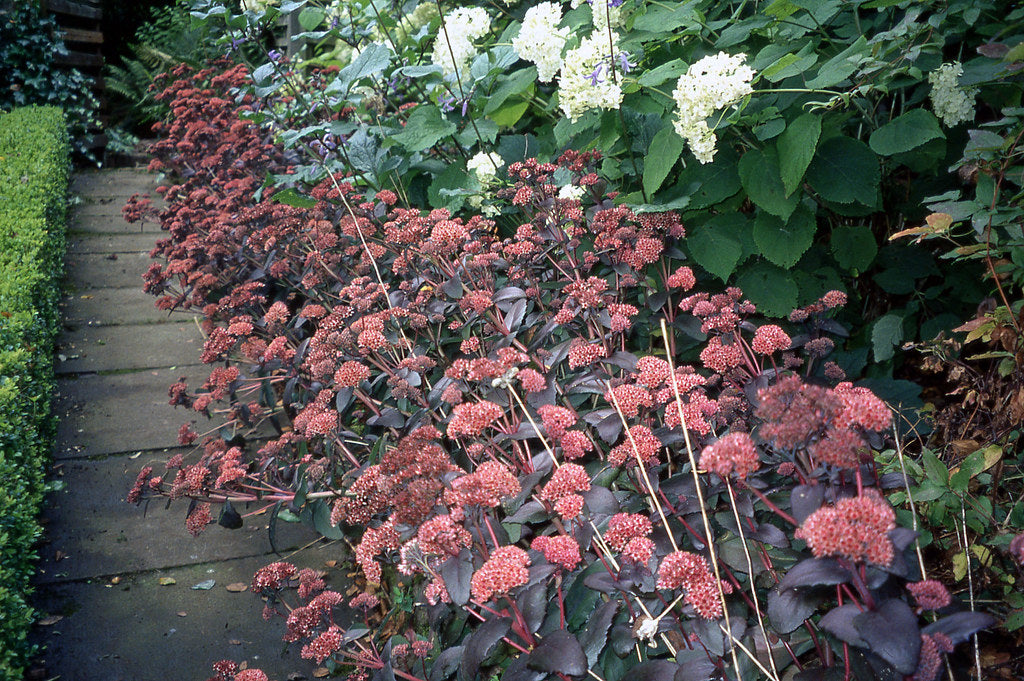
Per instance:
{"type": "Point", "coordinates": [125, 593]}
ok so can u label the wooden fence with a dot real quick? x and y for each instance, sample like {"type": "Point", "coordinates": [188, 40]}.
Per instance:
{"type": "Point", "coordinates": [83, 36]}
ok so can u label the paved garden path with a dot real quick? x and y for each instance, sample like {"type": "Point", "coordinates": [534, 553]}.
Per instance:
{"type": "Point", "coordinates": [108, 610]}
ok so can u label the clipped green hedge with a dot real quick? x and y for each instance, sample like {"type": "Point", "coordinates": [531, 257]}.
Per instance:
{"type": "Point", "coordinates": [34, 165]}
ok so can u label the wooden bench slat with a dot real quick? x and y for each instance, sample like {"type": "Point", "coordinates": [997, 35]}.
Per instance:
{"type": "Point", "coordinates": [74, 58]}
{"type": "Point", "coordinates": [81, 35]}
{"type": "Point", "coordinates": [78, 9]}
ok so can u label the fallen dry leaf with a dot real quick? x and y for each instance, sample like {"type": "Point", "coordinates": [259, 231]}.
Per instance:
{"type": "Point", "coordinates": [115, 580]}
{"type": "Point", "coordinates": [167, 581]}
{"type": "Point", "coordinates": [321, 672]}
{"type": "Point", "coordinates": [234, 642]}
{"type": "Point", "coordinates": [50, 620]}
{"type": "Point", "coordinates": [181, 613]}
{"type": "Point", "coordinates": [237, 587]}
{"type": "Point", "coordinates": [331, 563]}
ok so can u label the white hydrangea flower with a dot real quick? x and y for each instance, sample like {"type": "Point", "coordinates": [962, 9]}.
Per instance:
{"type": "Point", "coordinates": [586, 82]}
{"type": "Point", "coordinates": [708, 85]}
{"type": "Point", "coordinates": [257, 5]}
{"type": "Point", "coordinates": [485, 166]}
{"type": "Point", "coordinates": [454, 51]}
{"type": "Point", "coordinates": [952, 103]}
{"type": "Point", "coordinates": [541, 41]}
{"type": "Point", "coordinates": [571, 191]}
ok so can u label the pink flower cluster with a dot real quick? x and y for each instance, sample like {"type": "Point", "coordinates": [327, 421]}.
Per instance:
{"type": "Point", "coordinates": [691, 573]}
{"type": "Point", "coordinates": [503, 571]}
{"type": "Point", "coordinates": [855, 528]}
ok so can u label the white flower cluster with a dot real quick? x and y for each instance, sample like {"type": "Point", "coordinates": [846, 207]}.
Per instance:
{"type": "Point", "coordinates": [454, 51]}
{"type": "Point", "coordinates": [571, 191]}
{"type": "Point", "coordinates": [541, 41]}
{"type": "Point", "coordinates": [952, 103]}
{"type": "Point", "coordinates": [708, 85]}
{"type": "Point", "coordinates": [485, 166]}
{"type": "Point", "coordinates": [580, 85]}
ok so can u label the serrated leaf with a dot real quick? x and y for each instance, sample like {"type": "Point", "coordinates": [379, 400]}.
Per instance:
{"type": "Point", "coordinates": [796, 147]}
{"type": "Point", "coordinates": [886, 334]}
{"type": "Point", "coordinates": [370, 62]}
{"type": "Point", "coordinates": [759, 174]}
{"type": "Point", "coordinates": [772, 289]}
{"type": "Point", "coordinates": [905, 132]}
{"type": "Point", "coordinates": [783, 243]}
{"type": "Point", "coordinates": [595, 636]}
{"type": "Point", "coordinates": [559, 652]}
{"type": "Point", "coordinates": [424, 128]}
{"type": "Point", "coordinates": [841, 66]}
{"type": "Point", "coordinates": [715, 246]}
{"type": "Point", "coordinates": [516, 83]}
{"type": "Point", "coordinates": [845, 170]}
{"type": "Point", "coordinates": [853, 246]}
{"type": "Point", "coordinates": [665, 149]}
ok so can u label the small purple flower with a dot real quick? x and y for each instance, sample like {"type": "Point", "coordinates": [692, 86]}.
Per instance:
{"type": "Point", "coordinates": [465, 105]}
{"type": "Point", "coordinates": [595, 77]}
{"type": "Point", "coordinates": [335, 22]}
{"type": "Point", "coordinates": [446, 103]}
{"type": "Point", "coordinates": [274, 55]}
{"type": "Point", "coordinates": [236, 43]}
{"type": "Point", "coordinates": [624, 64]}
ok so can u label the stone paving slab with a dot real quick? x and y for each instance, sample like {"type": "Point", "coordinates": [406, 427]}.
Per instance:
{"type": "Point", "coordinates": [97, 184]}
{"type": "Point", "coordinates": [94, 270]}
{"type": "Point", "coordinates": [120, 242]}
{"type": "Point", "coordinates": [115, 413]}
{"type": "Point", "coordinates": [103, 306]}
{"type": "Point", "coordinates": [105, 224]}
{"type": "Point", "coordinates": [146, 346]}
{"type": "Point", "coordinates": [94, 532]}
{"type": "Point", "coordinates": [138, 630]}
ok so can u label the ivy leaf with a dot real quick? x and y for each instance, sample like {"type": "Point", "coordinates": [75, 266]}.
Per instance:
{"type": "Point", "coordinates": [715, 246]}
{"type": "Point", "coordinates": [559, 652]}
{"type": "Point", "coordinates": [771, 288]}
{"type": "Point", "coordinates": [796, 149]}
{"type": "Point", "coordinates": [424, 128]}
{"type": "Point", "coordinates": [853, 247]}
{"type": "Point", "coordinates": [783, 243]}
{"type": "Point", "coordinates": [905, 132]}
{"type": "Point", "coordinates": [845, 170]}
{"type": "Point", "coordinates": [759, 174]}
{"type": "Point", "coordinates": [662, 155]}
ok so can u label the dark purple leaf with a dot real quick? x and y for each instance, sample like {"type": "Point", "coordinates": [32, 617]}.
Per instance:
{"type": "Point", "coordinates": [507, 294]}
{"type": "Point", "coordinates": [229, 517]}
{"type": "Point", "coordinates": [446, 663]}
{"type": "Point", "coordinates": [622, 359]}
{"type": "Point", "coordinates": [478, 645]}
{"type": "Point", "coordinates": [890, 631]}
{"type": "Point", "coordinates": [559, 652]}
{"type": "Point", "coordinates": [892, 481]}
{"type": "Point", "coordinates": [788, 609]}
{"type": "Point", "coordinates": [526, 431]}
{"type": "Point", "coordinates": [902, 537]}
{"type": "Point", "coordinates": [814, 571]}
{"type": "Point", "coordinates": [771, 535]}
{"type": "Point", "coordinates": [711, 636]}
{"type": "Point", "coordinates": [595, 636]}
{"type": "Point", "coordinates": [993, 50]}
{"type": "Point", "coordinates": [583, 534]}
{"type": "Point", "coordinates": [531, 510]}
{"type": "Point", "coordinates": [604, 582]}
{"type": "Point", "coordinates": [805, 500]}
{"type": "Point", "coordinates": [514, 318]}
{"type": "Point", "coordinates": [601, 500]}
{"type": "Point", "coordinates": [622, 639]}
{"type": "Point", "coordinates": [388, 418]}
{"type": "Point", "coordinates": [839, 622]}
{"type": "Point", "coordinates": [609, 428]}
{"type": "Point", "coordinates": [960, 626]}
{"type": "Point", "coordinates": [653, 670]}
{"type": "Point", "coordinates": [533, 602]}
{"type": "Point", "coordinates": [519, 671]}
{"type": "Point", "coordinates": [456, 572]}
{"type": "Point", "coordinates": [695, 670]}
{"type": "Point", "coordinates": [453, 287]}
{"type": "Point", "coordinates": [541, 571]}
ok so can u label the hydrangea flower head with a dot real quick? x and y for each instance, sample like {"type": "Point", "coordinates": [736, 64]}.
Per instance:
{"type": "Point", "coordinates": [707, 86]}
{"type": "Point", "coordinates": [580, 87]}
{"type": "Point", "coordinates": [952, 103]}
{"type": "Point", "coordinates": [540, 40]}
{"type": "Point", "coordinates": [485, 166]}
{"type": "Point", "coordinates": [453, 48]}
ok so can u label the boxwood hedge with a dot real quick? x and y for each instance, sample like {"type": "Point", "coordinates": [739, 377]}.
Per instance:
{"type": "Point", "coordinates": [34, 165]}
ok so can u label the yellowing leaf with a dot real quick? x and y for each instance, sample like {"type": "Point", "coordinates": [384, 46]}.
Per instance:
{"type": "Point", "coordinates": [237, 587]}
{"type": "Point", "coordinates": [167, 581]}
{"type": "Point", "coordinates": [983, 554]}
{"type": "Point", "coordinates": [959, 566]}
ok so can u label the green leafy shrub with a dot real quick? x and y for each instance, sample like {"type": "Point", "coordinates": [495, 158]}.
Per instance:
{"type": "Point", "coordinates": [34, 153]}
